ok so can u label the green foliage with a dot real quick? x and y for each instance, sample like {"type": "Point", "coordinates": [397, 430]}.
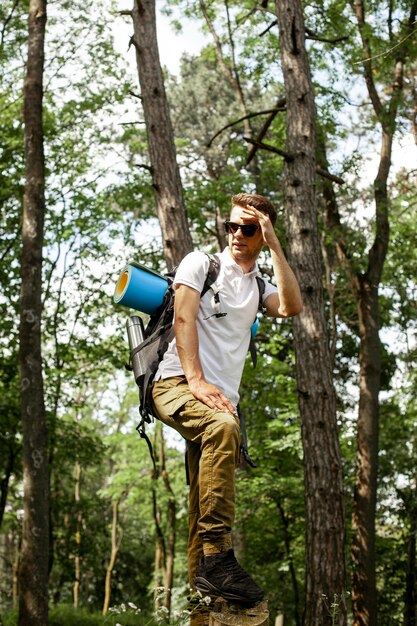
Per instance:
{"type": "Point", "coordinates": [64, 615]}
{"type": "Point", "coordinates": [212, 154]}
{"type": "Point", "coordinates": [270, 496]}
{"type": "Point", "coordinates": [100, 213]}
{"type": "Point", "coordinates": [67, 615]}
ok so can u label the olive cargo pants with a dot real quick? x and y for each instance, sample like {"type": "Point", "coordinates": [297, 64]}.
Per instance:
{"type": "Point", "coordinates": [213, 444]}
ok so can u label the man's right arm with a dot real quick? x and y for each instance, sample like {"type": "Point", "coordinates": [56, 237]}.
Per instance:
{"type": "Point", "coordinates": [186, 306]}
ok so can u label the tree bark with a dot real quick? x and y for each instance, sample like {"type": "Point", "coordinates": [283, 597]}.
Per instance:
{"type": "Point", "coordinates": [364, 594]}
{"type": "Point", "coordinates": [33, 600]}
{"type": "Point", "coordinates": [171, 531]}
{"type": "Point", "coordinates": [165, 541]}
{"type": "Point", "coordinates": [410, 595]}
{"type": "Point", "coordinates": [224, 614]}
{"type": "Point", "coordinates": [4, 483]}
{"type": "Point", "coordinates": [293, 574]}
{"type": "Point", "coordinates": [13, 549]}
{"type": "Point", "coordinates": [366, 289]}
{"type": "Point", "coordinates": [115, 546]}
{"type": "Point", "coordinates": [161, 145]}
{"type": "Point", "coordinates": [77, 558]}
{"type": "Point", "coordinates": [325, 559]}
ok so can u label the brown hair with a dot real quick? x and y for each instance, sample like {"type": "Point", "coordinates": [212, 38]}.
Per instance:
{"type": "Point", "coordinates": [258, 202]}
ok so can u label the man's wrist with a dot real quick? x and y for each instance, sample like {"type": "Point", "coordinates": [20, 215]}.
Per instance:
{"type": "Point", "coordinates": [195, 380]}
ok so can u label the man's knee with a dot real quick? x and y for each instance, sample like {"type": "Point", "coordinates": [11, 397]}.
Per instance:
{"type": "Point", "coordinates": [225, 430]}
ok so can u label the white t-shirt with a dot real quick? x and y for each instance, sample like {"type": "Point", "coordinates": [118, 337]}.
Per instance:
{"type": "Point", "coordinates": [223, 341]}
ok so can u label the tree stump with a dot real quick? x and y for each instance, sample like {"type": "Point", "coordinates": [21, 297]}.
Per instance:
{"type": "Point", "coordinates": [225, 614]}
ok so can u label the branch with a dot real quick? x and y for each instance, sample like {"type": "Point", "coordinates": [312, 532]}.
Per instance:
{"type": "Point", "coordinates": [231, 73]}
{"type": "Point", "coordinates": [359, 10]}
{"type": "Point", "coordinates": [135, 95]}
{"type": "Point", "coordinates": [133, 41]}
{"type": "Point", "coordinates": [272, 24]}
{"type": "Point", "coordinates": [6, 21]}
{"type": "Point", "coordinates": [290, 157]}
{"type": "Point", "coordinates": [312, 35]}
{"type": "Point", "coordinates": [241, 20]}
{"type": "Point", "coordinates": [7, 249]}
{"type": "Point", "coordinates": [281, 105]}
{"type": "Point", "coordinates": [266, 146]}
{"type": "Point", "coordinates": [143, 166]}
{"type": "Point", "coordinates": [241, 119]}
{"type": "Point", "coordinates": [333, 221]}
{"type": "Point", "coordinates": [326, 174]}
{"type": "Point", "coordinates": [130, 123]}
{"type": "Point", "coordinates": [218, 45]}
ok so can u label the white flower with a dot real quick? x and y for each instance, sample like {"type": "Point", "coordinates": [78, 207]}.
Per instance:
{"type": "Point", "coordinates": [207, 600]}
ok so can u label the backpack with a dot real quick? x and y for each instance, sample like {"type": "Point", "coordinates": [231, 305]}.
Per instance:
{"type": "Point", "coordinates": [155, 338]}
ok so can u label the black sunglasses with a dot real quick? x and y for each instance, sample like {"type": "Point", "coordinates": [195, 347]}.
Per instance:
{"type": "Point", "coordinates": [247, 230]}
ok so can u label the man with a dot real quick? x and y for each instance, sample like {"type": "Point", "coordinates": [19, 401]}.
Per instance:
{"type": "Point", "coordinates": [196, 388]}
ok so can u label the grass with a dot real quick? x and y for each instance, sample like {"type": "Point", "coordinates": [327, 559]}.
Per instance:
{"type": "Point", "coordinates": [66, 615]}
{"type": "Point", "coordinates": [124, 615]}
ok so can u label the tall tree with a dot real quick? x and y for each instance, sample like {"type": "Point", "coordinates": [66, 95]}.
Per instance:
{"type": "Point", "coordinates": [229, 67]}
{"type": "Point", "coordinates": [365, 287]}
{"type": "Point", "coordinates": [33, 599]}
{"type": "Point", "coordinates": [165, 539]}
{"type": "Point", "coordinates": [164, 169]}
{"type": "Point", "coordinates": [325, 563]}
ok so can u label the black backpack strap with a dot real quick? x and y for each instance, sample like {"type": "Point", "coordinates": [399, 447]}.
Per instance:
{"type": "Point", "coordinates": [142, 432]}
{"type": "Point", "coordinates": [261, 288]}
{"type": "Point", "coordinates": [252, 350]}
{"type": "Point", "coordinates": [212, 274]}
{"type": "Point", "coordinates": [244, 439]}
{"type": "Point", "coordinates": [209, 283]}
{"type": "Point", "coordinates": [252, 347]}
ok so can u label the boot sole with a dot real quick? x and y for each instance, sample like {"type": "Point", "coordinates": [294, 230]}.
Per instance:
{"type": "Point", "coordinates": [204, 586]}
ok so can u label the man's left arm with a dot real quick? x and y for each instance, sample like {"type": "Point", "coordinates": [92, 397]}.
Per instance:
{"type": "Point", "coordinates": [287, 302]}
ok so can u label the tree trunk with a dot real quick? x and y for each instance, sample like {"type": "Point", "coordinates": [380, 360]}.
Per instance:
{"type": "Point", "coordinates": [172, 524]}
{"type": "Point", "coordinates": [410, 596]}
{"type": "Point", "coordinates": [77, 558]}
{"type": "Point", "coordinates": [115, 545]}
{"type": "Point", "coordinates": [162, 154]}
{"type": "Point", "coordinates": [4, 483]}
{"type": "Point", "coordinates": [224, 614]}
{"type": "Point", "coordinates": [15, 572]}
{"type": "Point", "coordinates": [293, 573]}
{"type": "Point", "coordinates": [364, 501]}
{"type": "Point", "coordinates": [33, 600]}
{"type": "Point", "coordinates": [160, 549]}
{"type": "Point", "coordinates": [366, 287]}
{"type": "Point", "coordinates": [325, 559]}
{"type": "Point", "coordinates": [164, 548]}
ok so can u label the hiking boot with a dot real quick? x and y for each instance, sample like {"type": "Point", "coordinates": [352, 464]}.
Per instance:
{"type": "Point", "coordinates": [221, 575]}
